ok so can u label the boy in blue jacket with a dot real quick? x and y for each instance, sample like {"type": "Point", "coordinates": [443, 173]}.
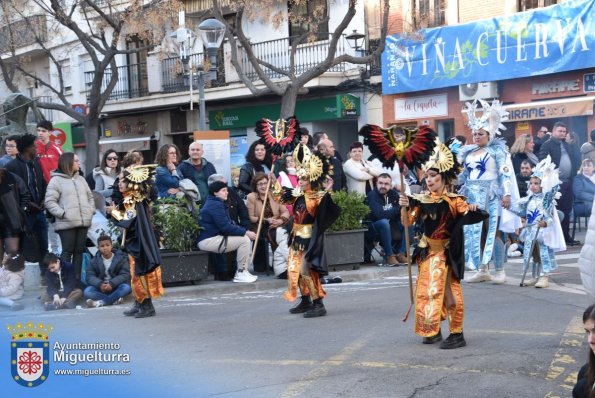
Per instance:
{"type": "Point", "coordinates": [63, 289]}
{"type": "Point", "coordinates": [108, 275]}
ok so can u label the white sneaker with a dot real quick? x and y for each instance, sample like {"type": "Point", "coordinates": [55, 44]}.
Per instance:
{"type": "Point", "coordinates": [543, 282]}
{"type": "Point", "coordinates": [480, 276]}
{"type": "Point", "coordinates": [530, 282]}
{"type": "Point", "coordinates": [94, 303]}
{"type": "Point", "coordinates": [515, 253]}
{"type": "Point", "coordinates": [244, 276]}
{"type": "Point", "coordinates": [119, 301]}
{"type": "Point", "coordinates": [499, 278]}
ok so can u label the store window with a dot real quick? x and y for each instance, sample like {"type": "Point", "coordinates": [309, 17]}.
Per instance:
{"type": "Point", "coordinates": [525, 5]}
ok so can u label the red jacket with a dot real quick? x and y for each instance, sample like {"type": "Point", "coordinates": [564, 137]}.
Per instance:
{"type": "Point", "coordinates": [48, 157]}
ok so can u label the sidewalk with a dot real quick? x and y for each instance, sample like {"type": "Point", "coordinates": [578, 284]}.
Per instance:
{"type": "Point", "coordinates": [211, 287]}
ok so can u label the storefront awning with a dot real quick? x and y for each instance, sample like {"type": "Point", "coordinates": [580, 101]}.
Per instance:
{"type": "Point", "coordinates": [126, 144]}
{"type": "Point", "coordinates": [551, 109]}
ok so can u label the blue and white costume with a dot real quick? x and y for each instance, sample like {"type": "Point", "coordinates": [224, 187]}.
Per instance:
{"type": "Point", "coordinates": [537, 207]}
{"type": "Point", "coordinates": [487, 178]}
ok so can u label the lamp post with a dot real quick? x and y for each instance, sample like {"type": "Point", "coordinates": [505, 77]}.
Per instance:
{"type": "Point", "coordinates": [211, 32]}
{"type": "Point", "coordinates": [356, 41]}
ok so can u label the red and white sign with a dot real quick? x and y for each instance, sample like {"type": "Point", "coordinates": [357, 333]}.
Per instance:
{"type": "Point", "coordinates": [421, 107]}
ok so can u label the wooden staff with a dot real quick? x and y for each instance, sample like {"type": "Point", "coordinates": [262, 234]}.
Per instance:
{"type": "Point", "coordinates": [405, 219]}
{"type": "Point", "coordinates": [261, 217]}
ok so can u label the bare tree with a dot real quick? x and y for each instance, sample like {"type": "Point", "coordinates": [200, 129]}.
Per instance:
{"type": "Point", "coordinates": [294, 83]}
{"type": "Point", "coordinates": [98, 26]}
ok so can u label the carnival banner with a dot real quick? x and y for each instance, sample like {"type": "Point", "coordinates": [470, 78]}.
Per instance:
{"type": "Point", "coordinates": [542, 41]}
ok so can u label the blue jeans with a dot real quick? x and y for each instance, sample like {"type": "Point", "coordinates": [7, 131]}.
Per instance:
{"type": "Point", "coordinates": [108, 299]}
{"type": "Point", "coordinates": [381, 228]}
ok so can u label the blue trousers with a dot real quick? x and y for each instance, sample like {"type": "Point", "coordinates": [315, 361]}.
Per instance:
{"type": "Point", "coordinates": [121, 291]}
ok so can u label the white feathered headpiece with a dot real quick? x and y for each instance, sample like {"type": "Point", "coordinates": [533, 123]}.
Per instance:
{"type": "Point", "coordinates": [547, 172]}
{"type": "Point", "coordinates": [488, 117]}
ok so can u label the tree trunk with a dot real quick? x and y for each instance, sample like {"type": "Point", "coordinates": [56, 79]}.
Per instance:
{"type": "Point", "coordinates": [288, 101]}
{"type": "Point", "coordinates": [92, 143]}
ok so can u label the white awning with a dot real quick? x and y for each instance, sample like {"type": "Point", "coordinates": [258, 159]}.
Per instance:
{"type": "Point", "coordinates": [125, 144]}
{"type": "Point", "coordinates": [549, 109]}
{"type": "Point", "coordinates": [122, 140]}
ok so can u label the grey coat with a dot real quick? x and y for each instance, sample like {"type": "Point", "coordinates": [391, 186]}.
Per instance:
{"type": "Point", "coordinates": [70, 200]}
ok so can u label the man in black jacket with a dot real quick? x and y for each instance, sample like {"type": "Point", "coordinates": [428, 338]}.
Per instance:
{"type": "Point", "coordinates": [385, 217]}
{"type": "Point", "coordinates": [108, 275]}
{"type": "Point", "coordinates": [26, 165]}
{"type": "Point", "coordinates": [327, 148]}
{"type": "Point", "coordinates": [566, 158]}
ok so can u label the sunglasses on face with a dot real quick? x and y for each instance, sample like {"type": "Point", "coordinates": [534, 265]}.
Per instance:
{"type": "Point", "coordinates": [111, 158]}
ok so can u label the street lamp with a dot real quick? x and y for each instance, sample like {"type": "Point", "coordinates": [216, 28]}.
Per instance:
{"type": "Point", "coordinates": [356, 41]}
{"type": "Point", "coordinates": [211, 32]}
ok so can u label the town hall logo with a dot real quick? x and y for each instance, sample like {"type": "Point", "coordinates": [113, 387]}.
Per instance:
{"type": "Point", "coordinates": [30, 353]}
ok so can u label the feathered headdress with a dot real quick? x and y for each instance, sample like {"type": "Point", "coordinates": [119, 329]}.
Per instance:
{"type": "Point", "coordinates": [444, 159]}
{"type": "Point", "coordinates": [279, 136]}
{"type": "Point", "coordinates": [311, 166]}
{"type": "Point", "coordinates": [396, 144]}
{"type": "Point", "coordinates": [488, 117]}
{"type": "Point", "coordinates": [546, 171]}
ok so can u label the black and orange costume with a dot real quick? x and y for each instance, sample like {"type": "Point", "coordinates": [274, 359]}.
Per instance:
{"type": "Point", "coordinates": [439, 254]}
{"type": "Point", "coordinates": [313, 212]}
{"type": "Point", "coordinates": [139, 240]}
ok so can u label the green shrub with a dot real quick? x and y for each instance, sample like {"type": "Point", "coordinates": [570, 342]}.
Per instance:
{"type": "Point", "coordinates": [177, 225]}
{"type": "Point", "coordinates": [353, 211]}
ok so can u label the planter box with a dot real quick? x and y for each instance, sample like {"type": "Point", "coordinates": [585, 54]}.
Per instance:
{"type": "Point", "coordinates": [184, 266]}
{"type": "Point", "coordinates": [344, 247]}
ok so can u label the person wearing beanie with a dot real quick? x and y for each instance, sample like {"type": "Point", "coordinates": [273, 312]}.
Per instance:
{"type": "Point", "coordinates": [221, 235]}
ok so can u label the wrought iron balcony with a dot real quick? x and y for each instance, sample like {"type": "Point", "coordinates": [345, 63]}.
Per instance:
{"type": "Point", "coordinates": [132, 81]}
{"type": "Point", "coordinates": [23, 33]}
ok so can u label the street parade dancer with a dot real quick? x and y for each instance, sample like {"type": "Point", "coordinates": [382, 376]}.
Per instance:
{"type": "Point", "coordinates": [542, 233]}
{"type": "Point", "coordinates": [439, 254]}
{"type": "Point", "coordinates": [133, 214]}
{"type": "Point", "coordinates": [488, 180]}
{"type": "Point", "coordinates": [313, 212]}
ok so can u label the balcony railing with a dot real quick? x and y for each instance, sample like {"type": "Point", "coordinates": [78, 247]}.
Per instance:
{"type": "Point", "coordinates": [23, 33]}
{"type": "Point", "coordinates": [172, 73]}
{"type": "Point", "coordinates": [277, 53]}
{"type": "Point", "coordinates": [132, 81]}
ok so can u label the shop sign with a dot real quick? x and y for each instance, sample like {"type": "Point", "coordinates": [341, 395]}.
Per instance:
{"type": "Point", "coordinates": [421, 107]}
{"type": "Point", "coordinates": [531, 43]}
{"type": "Point", "coordinates": [556, 87]}
{"type": "Point", "coordinates": [589, 83]}
{"type": "Point", "coordinates": [329, 108]}
{"type": "Point", "coordinates": [550, 110]}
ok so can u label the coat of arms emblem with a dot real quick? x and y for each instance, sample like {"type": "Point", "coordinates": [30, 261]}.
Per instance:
{"type": "Point", "coordinates": [30, 353]}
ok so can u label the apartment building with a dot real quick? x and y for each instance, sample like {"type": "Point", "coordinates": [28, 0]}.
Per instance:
{"type": "Point", "coordinates": [152, 104]}
{"type": "Point", "coordinates": [536, 56]}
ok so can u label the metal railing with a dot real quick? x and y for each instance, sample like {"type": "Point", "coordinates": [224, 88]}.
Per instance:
{"type": "Point", "coordinates": [172, 73]}
{"type": "Point", "coordinates": [132, 81]}
{"type": "Point", "coordinates": [277, 53]}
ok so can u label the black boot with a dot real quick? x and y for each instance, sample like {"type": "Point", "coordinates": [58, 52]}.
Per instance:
{"type": "Point", "coordinates": [316, 310]}
{"type": "Point", "coordinates": [146, 309]}
{"type": "Point", "coordinates": [304, 305]}
{"type": "Point", "coordinates": [132, 310]}
{"type": "Point", "coordinates": [455, 340]}
{"type": "Point", "coordinates": [433, 339]}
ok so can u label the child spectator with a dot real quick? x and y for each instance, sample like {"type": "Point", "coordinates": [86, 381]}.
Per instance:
{"type": "Point", "coordinates": [542, 233]}
{"type": "Point", "coordinates": [12, 282]}
{"type": "Point", "coordinates": [63, 290]}
{"type": "Point", "coordinates": [108, 275]}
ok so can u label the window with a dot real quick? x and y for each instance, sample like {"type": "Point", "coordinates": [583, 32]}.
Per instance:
{"type": "Point", "coordinates": [429, 13]}
{"type": "Point", "coordinates": [65, 69]}
{"type": "Point", "coordinates": [308, 11]}
{"type": "Point", "coordinates": [525, 5]}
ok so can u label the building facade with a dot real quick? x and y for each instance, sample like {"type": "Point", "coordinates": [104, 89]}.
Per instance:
{"type": "Point", "coordinates": [537, 57]}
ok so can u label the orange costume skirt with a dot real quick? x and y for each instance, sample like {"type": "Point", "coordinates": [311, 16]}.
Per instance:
{"type": "Point", "coordinates": [299, 274]}
{"type": "Point", "coordinates": [145, 286]}
{"type": "Point", "coordinates": [438, 294]}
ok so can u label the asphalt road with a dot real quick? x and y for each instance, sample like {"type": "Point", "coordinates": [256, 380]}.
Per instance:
{"type": "Point", "coordinates": [230, 340]}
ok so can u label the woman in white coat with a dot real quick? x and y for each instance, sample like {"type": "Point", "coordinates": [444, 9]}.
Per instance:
{"type": "Point", "coordinates": [360, 173]}
{"type": "Point", "coordinates": [69, 199]}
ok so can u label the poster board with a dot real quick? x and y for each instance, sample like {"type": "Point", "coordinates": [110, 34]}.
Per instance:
{"type": "Point", "coordinates": [216, 148]}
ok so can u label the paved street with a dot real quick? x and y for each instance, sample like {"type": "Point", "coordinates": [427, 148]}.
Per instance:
{"type": "Point", "coordinates": [230, 340]}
